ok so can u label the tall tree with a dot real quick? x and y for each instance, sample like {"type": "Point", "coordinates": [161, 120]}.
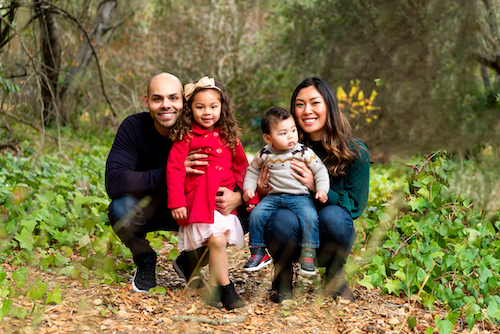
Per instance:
{"type": "Point", "coordinates": [45, 62]}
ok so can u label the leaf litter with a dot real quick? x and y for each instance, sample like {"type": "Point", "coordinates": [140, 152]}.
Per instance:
{"type": "Point", "coordinates": [117, 308]}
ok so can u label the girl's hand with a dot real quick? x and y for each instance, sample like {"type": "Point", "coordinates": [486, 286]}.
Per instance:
{"type": "Point", "coordinates": [194, 159]}
{"type": "Point", "coordinates": [179, 213]}
{"type": "Point", "coordinates": [303, 174]}
{"type": "Point", "coordinates": [248, 195]}
{"type": "Point", "coordinates": [227, 201]}
{"type": "Point", "coordinates": [321, 196]}
{"type": "Point", "coordinates": [263, 185]}
{"type": "Point", "coordinates": [250, 207]}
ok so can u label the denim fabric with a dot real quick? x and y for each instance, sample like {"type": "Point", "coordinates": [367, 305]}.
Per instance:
{"type": "Point", "coordinates": [131, 220]}
{"type": "Point", "coordinates": [304, 210]}
{"type": "Point", "coordinates": [336, 236]}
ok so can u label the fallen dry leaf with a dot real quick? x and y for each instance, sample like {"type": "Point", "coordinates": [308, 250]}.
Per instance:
{"type": "Point", "coordinates": [118, 309]}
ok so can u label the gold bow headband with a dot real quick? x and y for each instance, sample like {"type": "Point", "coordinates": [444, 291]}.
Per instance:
{"type": "Point", "coordinates": [204, 82]}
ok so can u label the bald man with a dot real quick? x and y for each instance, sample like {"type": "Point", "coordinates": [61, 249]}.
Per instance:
{"type": "Point", "coordinates": [136, 180]}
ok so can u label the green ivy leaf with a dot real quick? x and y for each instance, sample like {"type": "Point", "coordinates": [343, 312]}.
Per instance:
{"type": "Point", "coordinates": [444, 326]}
{"type": "Point", "coordinates": [159, 290]}
{"type": "Point", "coordinates": [3, 274]}
{"type": "Point", "coordinates": [418, 204]}
{"type": "Point", "coordinates": [26, 239]}
{"type": "Point", "coordinates": [84, 241]}
{"type": "Point", "coordinates": [54, 297]}
{"type": "Point", "coordinates": [20, 277]}
{"type": "Point", "coordinates": [67, 270]}
{"type": "Point", "coordinates": [412, 322]}
{"type": "Point", "coordinates": [172, 255]}
{"type": "Point", "coordinates": [37, 290]}
{"type": "Point", "coordinates": [393, 286]}
{"type": "Point", "coordinates": [6, 307]}
{"type": "Point", "coordinates": [493, 310]}
{"type": "Point", "coordinates": [367, 282]}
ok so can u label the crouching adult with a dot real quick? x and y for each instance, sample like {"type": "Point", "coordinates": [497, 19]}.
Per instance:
{"type": "Point", "coordinates": [136, 181]}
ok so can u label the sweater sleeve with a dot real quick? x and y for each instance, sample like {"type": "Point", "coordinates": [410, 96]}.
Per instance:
{"type": "Point", "coordinates": [354, 197]}
{"type": "Point", "coordinates": [176, 174]}
{"type": "Point", "coordinates": [121, 177]}
{"type": "Point", "coordinates": [252, 174]}
{"type": "Point", "coordinates": [321, 176]}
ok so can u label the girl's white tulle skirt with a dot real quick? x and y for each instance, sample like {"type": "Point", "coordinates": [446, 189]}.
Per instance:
{"type": "Point", "coordinates": [194, 236]}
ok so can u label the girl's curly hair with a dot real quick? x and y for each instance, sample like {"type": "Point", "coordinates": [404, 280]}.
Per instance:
{"type": "Point", "coordinates": [229, 128]}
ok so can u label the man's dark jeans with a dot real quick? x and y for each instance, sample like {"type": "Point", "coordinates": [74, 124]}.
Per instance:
{"type": "Point", "coordinates": [131, 218]}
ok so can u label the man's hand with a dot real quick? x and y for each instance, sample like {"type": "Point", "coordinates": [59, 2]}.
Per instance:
{"type": "Point", "coordinates": [179, 213]}
{"type": "Point", "coordinates": [248, 195]}
{"type": "Point", "coordinates": [195, 159]}
{"type": "Point", "coordinates": [321, 196]}
{"type": "Point", "coordinates": [227, 201]}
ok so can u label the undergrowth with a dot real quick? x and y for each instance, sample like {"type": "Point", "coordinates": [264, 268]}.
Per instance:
{"type": "Point", "coordinates": [434, 243]}
{"type": "Point", "coordinates": [426, 231]}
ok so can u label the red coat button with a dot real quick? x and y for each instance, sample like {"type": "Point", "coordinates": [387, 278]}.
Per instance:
{"type": "Point", "coordinates": [219, 150]}
{"type": "Point", "coordinates": [216, 134]}
{"type": "Point", "coordinates": [219, 167]}
{"type": "Point", "coordinates": [205, 135]}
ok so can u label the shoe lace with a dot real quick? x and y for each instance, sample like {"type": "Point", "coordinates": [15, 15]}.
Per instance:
{"type": "Point", "coordinates": [147, 272]}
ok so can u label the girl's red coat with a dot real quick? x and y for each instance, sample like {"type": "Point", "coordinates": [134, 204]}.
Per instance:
{"type": "Point", "coordinates": [197, 192]}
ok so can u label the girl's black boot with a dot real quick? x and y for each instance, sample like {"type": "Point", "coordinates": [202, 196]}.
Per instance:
{"type": "Point", "coordinates": [229, 297]}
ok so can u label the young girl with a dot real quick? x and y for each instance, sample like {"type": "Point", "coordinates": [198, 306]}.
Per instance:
{"type": "Point", "coordinates": [208, 123]}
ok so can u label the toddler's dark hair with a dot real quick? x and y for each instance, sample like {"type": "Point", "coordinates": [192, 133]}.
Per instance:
{"type": "Point", "coordinates": [273, 116]}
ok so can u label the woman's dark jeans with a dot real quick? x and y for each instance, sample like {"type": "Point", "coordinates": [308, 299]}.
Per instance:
{"type": "Point", "coordinates": [282, 234]}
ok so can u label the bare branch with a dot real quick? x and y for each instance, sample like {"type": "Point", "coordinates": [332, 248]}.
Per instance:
{"type": "Point", "coordinates": [489, 37]}
{"type": "Point", "coordinates": [89, 41]}
{"type": "Point", "coordinates": [493, 64]}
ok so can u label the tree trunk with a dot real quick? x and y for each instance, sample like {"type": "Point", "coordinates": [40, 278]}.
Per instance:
{"type": "Point", "coordinates": [51, 59]}
{"type": "Point", "coordinates": [5, 29]}
{"type": "Point", "coordinates": [84, 55]}
{"type": "Point", "coordinates": [486, 77]}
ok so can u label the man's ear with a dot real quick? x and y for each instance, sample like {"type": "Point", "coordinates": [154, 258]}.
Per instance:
{"type": "Point", "coordinates": [146, 101]}
{"type": "Point", "coordinates": [267, 138]}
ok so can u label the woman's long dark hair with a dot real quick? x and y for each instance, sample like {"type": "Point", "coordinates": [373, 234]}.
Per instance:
{"type": "Point", "coordinates": [337, 136]}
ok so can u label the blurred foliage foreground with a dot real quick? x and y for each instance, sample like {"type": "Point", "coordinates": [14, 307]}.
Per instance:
{"type": "Point", "coordinates": [430, 232]}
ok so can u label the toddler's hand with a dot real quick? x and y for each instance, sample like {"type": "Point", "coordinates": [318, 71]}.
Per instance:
{"type": "Point", "coordinates": [321, 196]}
{"type": "Point", "coordinates": [250, 207]}
{"type": "Point", "coordinates": [179, 213]}
{"type": "Point", "coordinates": [248, 195]}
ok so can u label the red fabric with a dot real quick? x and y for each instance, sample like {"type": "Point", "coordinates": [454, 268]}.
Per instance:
{"type": "Point", "coordinates": [197, 192]}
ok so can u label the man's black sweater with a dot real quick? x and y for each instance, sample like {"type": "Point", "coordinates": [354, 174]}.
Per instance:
{"type": "Point", "coordinates": [137, 160]}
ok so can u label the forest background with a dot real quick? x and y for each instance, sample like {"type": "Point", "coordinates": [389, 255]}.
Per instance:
{"type": "Point", "coordinates": [415, 78]}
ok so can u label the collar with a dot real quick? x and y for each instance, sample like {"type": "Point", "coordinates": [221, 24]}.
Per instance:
{"type": "Point", "coordinates": [199, 130]}
{"type": "Point", "coordinates": [278, 152]}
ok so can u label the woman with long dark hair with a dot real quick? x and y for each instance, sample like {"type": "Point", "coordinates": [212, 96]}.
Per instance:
{"type": "Point", "coordinates": [324, 128]}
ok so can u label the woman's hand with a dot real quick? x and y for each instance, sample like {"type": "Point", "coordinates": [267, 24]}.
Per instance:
{"type": "Point", "coordinates": [263, 185]}
{"type": "Point", "coordinates": [179, 213]}
{"type": "Point", "coordinates": [227, 201]}
{"type": "Point", "coordinates": [195, 159]}
{"type": "Point", "coordinates": [303, 174]}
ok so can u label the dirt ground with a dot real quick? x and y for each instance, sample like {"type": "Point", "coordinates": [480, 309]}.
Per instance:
{"type": "Point", "coordinates": [118, 309]}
